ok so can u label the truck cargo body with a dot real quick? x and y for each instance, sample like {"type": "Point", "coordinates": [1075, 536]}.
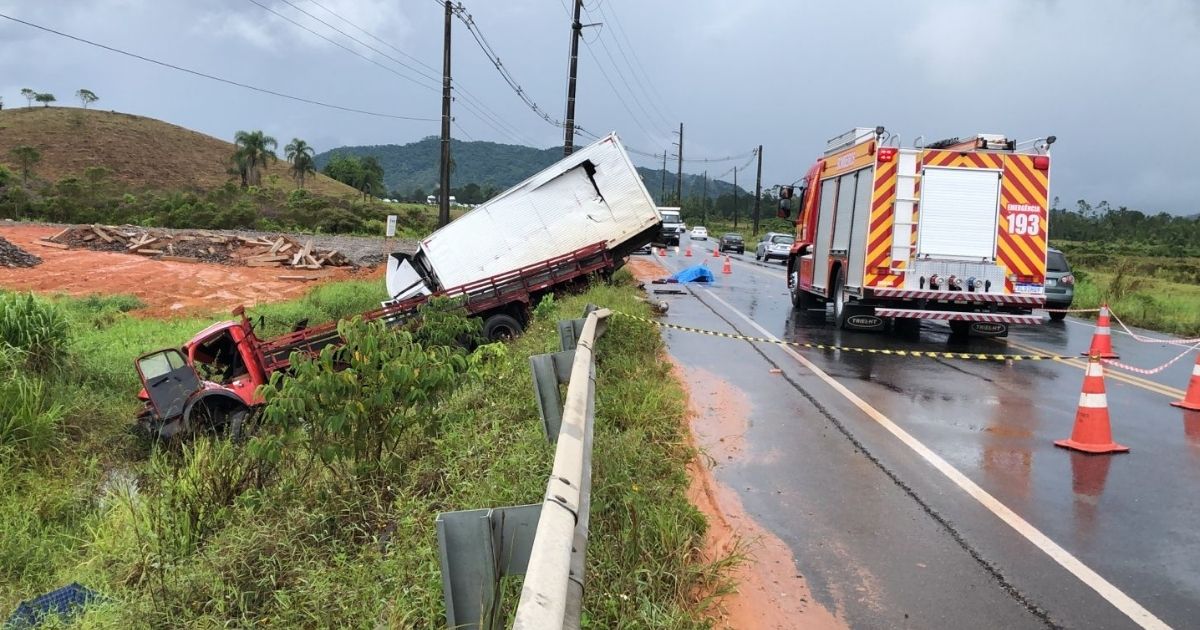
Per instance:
{"type": "Point", "coordinates": [955, 233]}
{"type": "Point", "coordinates": [593, 195]}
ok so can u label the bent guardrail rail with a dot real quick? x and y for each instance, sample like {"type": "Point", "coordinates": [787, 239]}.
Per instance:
{"type": "Point", "coordinates": [546, 542]}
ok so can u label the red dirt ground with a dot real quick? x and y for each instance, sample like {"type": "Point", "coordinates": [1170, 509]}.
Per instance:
{"type": "Point", "coordinates": [167, 288]}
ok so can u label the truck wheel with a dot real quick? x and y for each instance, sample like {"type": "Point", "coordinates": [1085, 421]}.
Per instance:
{"type": "Point", "coordinates": [1058, 317]}
{"type": "Point", "coordinates": [501, 327]}
{"type": "Point", "coordinates": [840, 299]}
{"type": "Point", "coordinates": [960, 328]}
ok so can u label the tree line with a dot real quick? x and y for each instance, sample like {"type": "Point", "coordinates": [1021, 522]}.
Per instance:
{"type": "Point", "coordinates": [86, 97]}
{"type": "Point", "coordinates": [1163, 234]}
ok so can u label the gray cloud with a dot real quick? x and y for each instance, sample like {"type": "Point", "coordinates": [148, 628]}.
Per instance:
{"type": "Point", "coordinates": [1115, 80]}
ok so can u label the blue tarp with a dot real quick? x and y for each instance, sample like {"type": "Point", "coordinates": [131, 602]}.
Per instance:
{"type": "Point", "coordinates": [698, 273]}
{"type": "Point", "coordinates": [65, 602]}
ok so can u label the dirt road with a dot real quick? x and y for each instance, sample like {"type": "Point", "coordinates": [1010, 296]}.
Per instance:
{"type": "Point", "coordinates": [167, 288]}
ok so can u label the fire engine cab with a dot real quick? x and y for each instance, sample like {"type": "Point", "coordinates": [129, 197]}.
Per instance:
{"type": "Point", "coordinates": [954, 230]}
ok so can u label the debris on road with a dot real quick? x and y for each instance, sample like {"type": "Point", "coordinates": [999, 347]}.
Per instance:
{"type": "Point", "coordinates": [200, 246]}
{"type": "Point", "coordinates": [13, 256]}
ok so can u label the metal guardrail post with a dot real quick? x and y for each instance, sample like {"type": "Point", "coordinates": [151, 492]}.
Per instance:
{"type": "Point", "coordinates": [561, 537]}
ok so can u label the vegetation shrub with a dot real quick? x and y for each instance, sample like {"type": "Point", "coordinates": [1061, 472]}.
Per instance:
{"type": "Point", "coordinates": [36, 328]}
{"type": "Point", "coordinates": [29, 418]}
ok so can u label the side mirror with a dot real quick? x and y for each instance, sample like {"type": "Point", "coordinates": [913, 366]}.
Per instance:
{"type": "Point", "coordinates": [784, 211]}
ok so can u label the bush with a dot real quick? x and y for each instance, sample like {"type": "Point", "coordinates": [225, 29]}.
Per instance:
{"type": "Point", "coordinates": [362, 402]}
{"type": "Point", "coordinates": [35, 328]}
{"type": "Point", "coordinates": [28, 418]}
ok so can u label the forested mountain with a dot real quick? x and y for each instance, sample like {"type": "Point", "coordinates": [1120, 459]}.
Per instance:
{"type": "Point", "coordinates": [413, 167]}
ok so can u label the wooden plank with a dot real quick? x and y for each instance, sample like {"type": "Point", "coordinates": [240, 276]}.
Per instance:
{"type": "Point", "coordinates": [276, 245]}
{"type": "Point", "coordinates": [184, 259]}
{"type": "Point", "coordinates": [211, 251]}
{"type": "Point", "coordinates": [88, 237]}
{"type": "Point", "coordinates": [266, 258]}
{"type": "Point", "coordinates": [149, 251]}
{"type": "Point", "coordinates": [286, 246]}
{"type": "Point", "coordinates": [312, 261]}
{"type": "Point", "coordinates": [102, 233]}
{"type": "Point", "coordinates": [302, 278]}
{"type": "Point", "coordinates": [55, 237]}
{"type": "Point", "coordinates": [307, 249]}
{"type": "Point", "coordinates": [45, 243]}
{"type": "Point", "coordinates": [255, 263]}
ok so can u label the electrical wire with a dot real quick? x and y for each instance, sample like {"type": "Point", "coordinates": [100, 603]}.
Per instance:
{"type": "Point", "coordinates": [214, 77]}
{"type": "Point", "coordinates": [662, 119]}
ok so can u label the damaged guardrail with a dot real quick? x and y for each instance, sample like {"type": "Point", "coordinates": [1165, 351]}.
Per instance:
{"type": "Point", "coordinates": [546, 542]}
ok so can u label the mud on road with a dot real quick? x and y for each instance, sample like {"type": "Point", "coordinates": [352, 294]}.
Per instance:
{"type": "Point", "coordinates": [167, 288]}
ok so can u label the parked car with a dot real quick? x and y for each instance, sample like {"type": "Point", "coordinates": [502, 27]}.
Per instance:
{"type": "Point", "coordinates": [1060, 283]}
{"type": "Point", "coordinates": [775, 245]}
{"type": "Point", "coordinates": [731, 242]}
{"type": "Point", "coordinates": [699, 233]}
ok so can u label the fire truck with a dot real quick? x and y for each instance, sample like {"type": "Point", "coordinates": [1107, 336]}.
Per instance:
{"type": "Point", "coordinates": [953, 230]}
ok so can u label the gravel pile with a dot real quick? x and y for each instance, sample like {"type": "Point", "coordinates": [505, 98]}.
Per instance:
{"type": "Point", "coordinates": [13, 256]}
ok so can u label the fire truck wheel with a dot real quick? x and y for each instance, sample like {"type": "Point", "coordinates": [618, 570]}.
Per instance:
{"type": "Point", "coordinates": [1058, 317]}
{"type": "Point", "coordinates": [501, 327]}
{"type": "Point", "coordinates": [840, 299]}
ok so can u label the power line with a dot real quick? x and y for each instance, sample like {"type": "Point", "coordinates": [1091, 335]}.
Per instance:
{"type": "Point", "coordinates": [374, 37]}
{"type": "Point", "coordinates": [663, 120]}
{"type": "Point", "coordinates": [478, 109]}
{"type": "Point", "coordinates": [652, 90]}
{"type": "Point", "coordinates": [213, 77]}
{"type": "Point", "coordinates": [342, 46]}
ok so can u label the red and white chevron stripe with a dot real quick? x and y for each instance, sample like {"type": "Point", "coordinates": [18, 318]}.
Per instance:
{"type": "Point", "coordinates": [959, 296]}
{"type": "Point", "coordinates": [998, 318]}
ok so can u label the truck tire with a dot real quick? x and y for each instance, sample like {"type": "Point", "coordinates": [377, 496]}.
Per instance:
{"type": "Point", "coordinates": [1058, 317]}
{"type": "Point", "coordinates": [960, 328]}
{"type": "Point", "coordinates": [840, 299]}
{"type": "Point", "coordinates": [501, 327]}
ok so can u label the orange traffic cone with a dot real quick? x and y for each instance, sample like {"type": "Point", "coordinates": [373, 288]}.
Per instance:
{"type": "Point", "coordinates": [717, 253]}
{"type": "Point", "coordinates": [1102, 338]}
{"type": "Point", "coordinates": [727, 268]}
{"type": "Point", "coordinates": [688, 252]}
{"type": "Point", "coordinates": [1093, 432]}
{"type": "Point", "coordinates": [1191, 400]}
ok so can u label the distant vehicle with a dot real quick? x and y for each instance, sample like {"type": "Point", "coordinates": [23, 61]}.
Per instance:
{"type": "Point", "coordinates": [774, 245]}
{"type": "Point", "coordinates": [731, 242]}
{"type": "Point", "coordinates": [952, 230]}
{"type": "Point", "coordinates": [433, 200]}
{"type": "Point", "coordinates": [699, 233]}
{"type": "Point", "coordinates": [1060, 283]}
{"type": "Point", "coordinates": [672, 226]}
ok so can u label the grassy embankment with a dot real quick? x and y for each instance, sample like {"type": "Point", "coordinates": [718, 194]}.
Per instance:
{"type": "Point", "coordinates": [294, 528]}
{"type": "Point", "coordinates": [1153, 292]}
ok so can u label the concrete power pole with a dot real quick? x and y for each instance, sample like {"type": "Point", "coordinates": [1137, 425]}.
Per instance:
{"type": "Point", "coordinates": [569, 123]}
{"type": "Point", "coordinates": [758, 191]}
{"type": "Point", "coordinates": [735, 208]}
{"type": "Point", "coordinates": [662, 181]}
{"type": "Point", "coordinates": [679, 170]}
{"type": "Point", "coordinates": [704, 200]}
{"type": "Point", "coordinates": [444, 174]}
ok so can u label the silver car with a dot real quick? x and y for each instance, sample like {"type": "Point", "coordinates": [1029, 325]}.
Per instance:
{"type": "Point", "coordinates": [775, 245]}
{"type": "Point", "coordinates": [1060, 283]}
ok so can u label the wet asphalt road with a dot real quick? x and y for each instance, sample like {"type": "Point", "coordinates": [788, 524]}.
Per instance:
{"type": "Point", "coordinates": [884, 537]}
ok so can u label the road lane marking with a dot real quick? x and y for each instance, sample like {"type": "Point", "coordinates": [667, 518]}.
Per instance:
{"type": "Point", "coordinates": [1136, 381]}
{"type": "Point", "coordinates": [1126, 604]}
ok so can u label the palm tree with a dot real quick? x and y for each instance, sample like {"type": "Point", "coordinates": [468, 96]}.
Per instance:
{"type": "Point", "coordinates": [256, 150]}
{"type": "Point", "coordinates": [300, 154]}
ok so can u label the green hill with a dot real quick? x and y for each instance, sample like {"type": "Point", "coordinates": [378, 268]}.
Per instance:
{"type": "Point", "coordinates": [414, 166]}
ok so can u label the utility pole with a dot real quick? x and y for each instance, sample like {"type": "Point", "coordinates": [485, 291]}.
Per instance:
{"type": "Point", "coordinates": [679, 169]}
{"type": "Point", "coordinates": [704, 200]}
{"type": "Point", "coordinates": [662, 181]}
{"type": "Point", "coordinates": [735, 208]}
{"type": "Point", "coordinates": [758, 191]}
{"type": "Point", "coordinates": [444, 175]}
{"type": "Point", "coordinates": [569, 123]}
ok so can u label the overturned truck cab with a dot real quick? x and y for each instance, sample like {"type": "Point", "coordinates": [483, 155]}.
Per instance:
{"type": "Point", "coordinates": [953, 231]}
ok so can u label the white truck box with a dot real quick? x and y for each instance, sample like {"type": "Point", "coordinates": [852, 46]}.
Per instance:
{"type": "Point", "coordinates": [595, 194]}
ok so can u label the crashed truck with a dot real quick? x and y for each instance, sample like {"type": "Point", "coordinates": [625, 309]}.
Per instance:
{"type": "Point", "coordinates": [583, 215]}
{"type": "Point", "coordinates": [953, 230]}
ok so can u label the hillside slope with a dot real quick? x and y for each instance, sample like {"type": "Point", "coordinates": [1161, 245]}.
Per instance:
{"type": "Point", "coordinates": [144, 153]}
{"type": "Point", "coordinates": [408, 167]}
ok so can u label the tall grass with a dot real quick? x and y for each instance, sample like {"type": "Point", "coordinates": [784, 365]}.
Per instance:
{"type": "Point", "coordinates": [35, 328]}
{"type": "Point", "coordinates": [218, 534]}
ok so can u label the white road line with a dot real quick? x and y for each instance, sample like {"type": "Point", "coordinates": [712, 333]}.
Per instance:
{"type": "Point", "coordinates": [1103, 587]}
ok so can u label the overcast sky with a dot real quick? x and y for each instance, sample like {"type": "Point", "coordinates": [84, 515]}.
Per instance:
{"type": "Point", "coordinates": [1118, 81]}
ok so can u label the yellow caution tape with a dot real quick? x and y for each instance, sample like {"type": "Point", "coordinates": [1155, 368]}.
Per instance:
{"type": "Point", "coordinates": [926, 354]}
